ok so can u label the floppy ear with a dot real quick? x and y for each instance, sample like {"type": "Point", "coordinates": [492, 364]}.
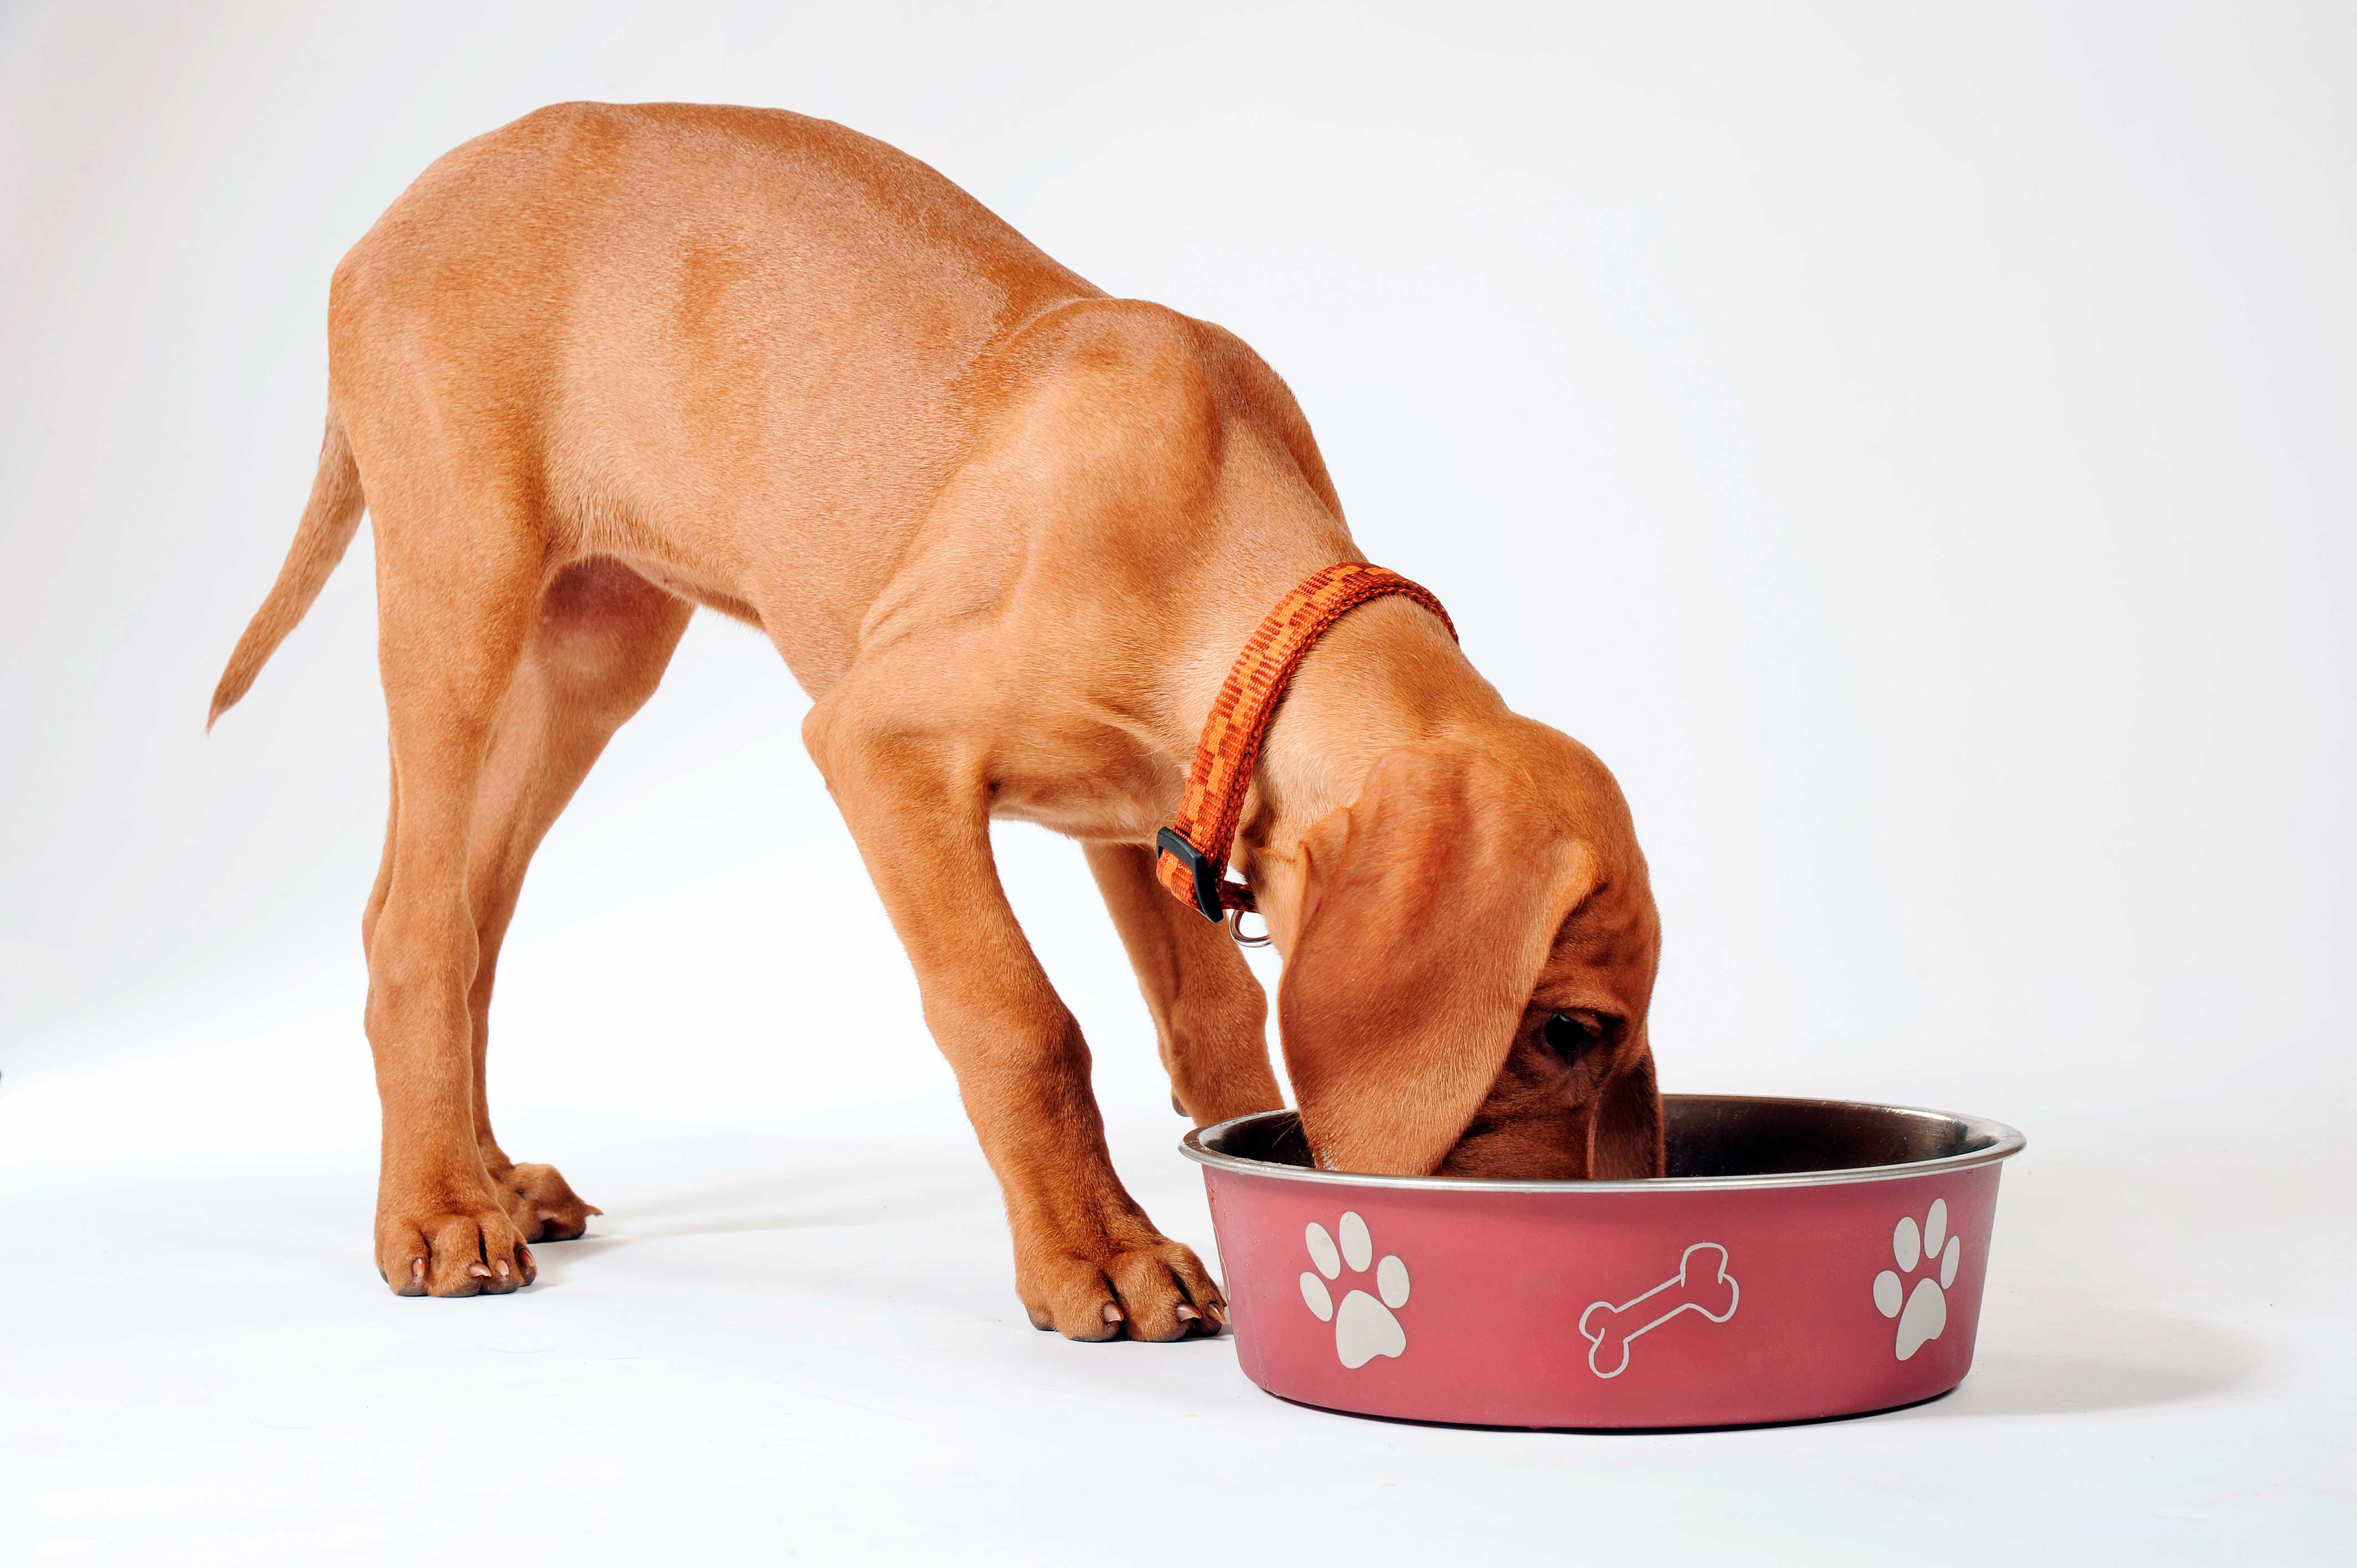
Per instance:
{"type": "Point", "coordinates": [1427, 908]}
{"type": "Point", "coordinates": [1625, 1139]}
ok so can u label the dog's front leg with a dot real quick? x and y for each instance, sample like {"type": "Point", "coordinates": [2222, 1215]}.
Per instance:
{"type": "Point", "coordinates": [1088, 1263]}
{"type": "Point", "coordinates": [1211, 1018]}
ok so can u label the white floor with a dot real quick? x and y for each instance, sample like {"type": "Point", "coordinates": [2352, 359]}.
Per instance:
{"type": "Point", "coordinates": [798, 1338]}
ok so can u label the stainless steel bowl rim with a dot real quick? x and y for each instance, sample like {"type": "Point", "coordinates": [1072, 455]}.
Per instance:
{"type": "Point", "coordinates": [2004, 1143]}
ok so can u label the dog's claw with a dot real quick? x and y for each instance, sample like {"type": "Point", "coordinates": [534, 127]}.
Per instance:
{"type": "Point", "coordinates": [1112, 1312]}
{"type": "Point", "coordinates": [1187, 1314]}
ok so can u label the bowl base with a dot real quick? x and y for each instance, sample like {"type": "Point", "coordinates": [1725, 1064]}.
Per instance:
{"type": "Point", "coordinates": [1623, 1431]}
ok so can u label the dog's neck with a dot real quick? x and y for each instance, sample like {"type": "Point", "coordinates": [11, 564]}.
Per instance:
{"type": "Point", "coordinates": [1387, 675]}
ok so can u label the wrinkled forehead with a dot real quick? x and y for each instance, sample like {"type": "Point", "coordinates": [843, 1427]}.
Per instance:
{"type": "Point", "coordinates": [1612, 937]}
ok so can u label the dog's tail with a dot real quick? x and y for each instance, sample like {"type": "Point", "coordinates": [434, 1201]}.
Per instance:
{"type": "Point", "coordinates": [329, 521]}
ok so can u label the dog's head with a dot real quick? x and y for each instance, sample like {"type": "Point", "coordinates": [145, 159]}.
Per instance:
{"type": "Point", "coordinates": [1469, 966]}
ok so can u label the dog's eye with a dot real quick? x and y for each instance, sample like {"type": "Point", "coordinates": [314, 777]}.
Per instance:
{"type": "Point", "coordinates": [1570, 1034]}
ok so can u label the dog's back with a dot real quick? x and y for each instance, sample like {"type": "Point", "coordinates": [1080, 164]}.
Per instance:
{"type": "Point", "coordinates": [749, 318]}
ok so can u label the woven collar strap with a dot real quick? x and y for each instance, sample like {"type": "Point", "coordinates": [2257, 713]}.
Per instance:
{"type": "Point", "coordinates": [1192, 859]}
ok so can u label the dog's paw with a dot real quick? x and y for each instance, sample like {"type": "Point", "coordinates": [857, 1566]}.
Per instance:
{"type": "Point", "coordinates": [1154, 1289]}
{"type": "Point", "coordinates": [451, 1249]}
{"type": "Point", "coordinates": [541, 1205]}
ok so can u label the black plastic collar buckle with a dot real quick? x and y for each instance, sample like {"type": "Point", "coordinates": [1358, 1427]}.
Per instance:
{"type": "Point", "coordinates": [1170, 841]}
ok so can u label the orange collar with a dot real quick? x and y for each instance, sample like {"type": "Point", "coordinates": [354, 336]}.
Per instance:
{"type": "Point", "coordinates": [1192, 859]}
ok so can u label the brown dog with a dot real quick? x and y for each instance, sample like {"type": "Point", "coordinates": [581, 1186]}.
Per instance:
{"type": "Point", "coordinates": [607, 364]}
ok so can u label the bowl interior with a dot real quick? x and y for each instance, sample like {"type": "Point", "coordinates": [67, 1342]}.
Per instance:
{"type": "Point", "coordinates": [1716, 1135]}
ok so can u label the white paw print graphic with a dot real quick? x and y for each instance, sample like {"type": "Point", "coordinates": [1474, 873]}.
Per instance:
{"type": "Point", "coordinates": [1922, 1312]}
{"type": "Point", "coordinates": [1364, 1329]}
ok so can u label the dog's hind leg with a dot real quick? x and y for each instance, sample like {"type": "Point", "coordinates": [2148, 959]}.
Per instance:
{"type": "Point", "coordinates": [459, 572]}
{"type": "Point", "coordinates": [604, 637]}
{"type": "Point", "coordinates": [1210, 1016]}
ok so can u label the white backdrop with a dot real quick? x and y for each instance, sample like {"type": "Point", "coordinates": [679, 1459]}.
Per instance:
{"type": "Point", "coordinates": [1910, 445]}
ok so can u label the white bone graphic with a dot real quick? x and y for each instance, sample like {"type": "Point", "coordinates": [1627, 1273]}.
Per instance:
{"type": "Point", "coordinates": [1700, 1284]}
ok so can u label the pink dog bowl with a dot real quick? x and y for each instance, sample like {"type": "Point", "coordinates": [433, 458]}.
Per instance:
{"type": "Point", "coordinates": [1802, 1258]}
